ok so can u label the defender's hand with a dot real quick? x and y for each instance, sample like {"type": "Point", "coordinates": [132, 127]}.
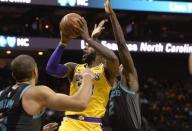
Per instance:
{"type": "Point", "coordinates": [108, 8]}
{"type": "Point", "coordinates": [98, 29]}
{"type": "Point", "coordinates": [50, 126]}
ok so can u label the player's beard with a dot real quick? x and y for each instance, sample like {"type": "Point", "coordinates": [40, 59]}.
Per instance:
{"type": "Point", "coordinates": [89, 58]}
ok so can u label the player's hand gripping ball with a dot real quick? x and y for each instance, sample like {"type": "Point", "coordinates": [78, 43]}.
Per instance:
{"type": "Point", "coordinates": [68, 24]}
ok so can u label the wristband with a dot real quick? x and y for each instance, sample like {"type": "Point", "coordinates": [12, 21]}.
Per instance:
{"type": "Point", "coordinates": [62, 44]}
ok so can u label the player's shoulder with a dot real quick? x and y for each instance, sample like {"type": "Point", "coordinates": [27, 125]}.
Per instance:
{"type": "Point", "coordinates": [39, 89]}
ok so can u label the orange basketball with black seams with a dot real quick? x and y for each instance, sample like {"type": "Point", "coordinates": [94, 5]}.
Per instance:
{"type": "Point", "coordinates": [68, 23]}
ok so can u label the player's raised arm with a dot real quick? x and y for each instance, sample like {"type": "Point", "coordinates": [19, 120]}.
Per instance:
{"type": "Point", "coordinates": [98, 29]}
{"type": "Point", "coordinates": [45, 97]}
{"type": "Point", "coordinates": [129, 71]}
{"type": "Point", "coordinates": [54, 67]}
{"type": "Point", "coordinates": [112, 62]}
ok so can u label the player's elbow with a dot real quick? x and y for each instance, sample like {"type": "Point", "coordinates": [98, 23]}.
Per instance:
{"type": "Point", "coordinates": [49, 70]}
{"type": "Point", "coordinates": [53, 72]}
{"type": "Point", "coordinates": [82, 105]}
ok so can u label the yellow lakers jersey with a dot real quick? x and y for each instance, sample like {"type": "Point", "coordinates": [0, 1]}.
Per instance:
{"type": "Point", "coordinates": [99, 99]}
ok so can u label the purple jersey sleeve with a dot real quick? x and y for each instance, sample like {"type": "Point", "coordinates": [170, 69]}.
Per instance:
{"type": "Point", "coordinates": [53, 67]}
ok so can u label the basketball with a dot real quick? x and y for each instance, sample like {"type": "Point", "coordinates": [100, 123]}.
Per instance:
{"type": "Point", "coordinates": [68, 23]}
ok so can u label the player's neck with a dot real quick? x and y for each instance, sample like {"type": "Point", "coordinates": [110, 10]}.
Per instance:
{"type": "Point", "coordinates": [31, 82]}
{"type": "Point", "coordinates": [98, 60]}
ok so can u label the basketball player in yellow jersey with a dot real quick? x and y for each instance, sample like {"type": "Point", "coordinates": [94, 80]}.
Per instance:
{"type": "Point", "coordinates": [102, 62]}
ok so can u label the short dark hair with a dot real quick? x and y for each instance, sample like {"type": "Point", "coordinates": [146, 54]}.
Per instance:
{"type": "Point", "coordinates": [22, 67]}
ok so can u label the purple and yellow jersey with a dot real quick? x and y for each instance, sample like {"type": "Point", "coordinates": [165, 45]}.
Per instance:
{"type": "Point", "coordinates": [100, 97]}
